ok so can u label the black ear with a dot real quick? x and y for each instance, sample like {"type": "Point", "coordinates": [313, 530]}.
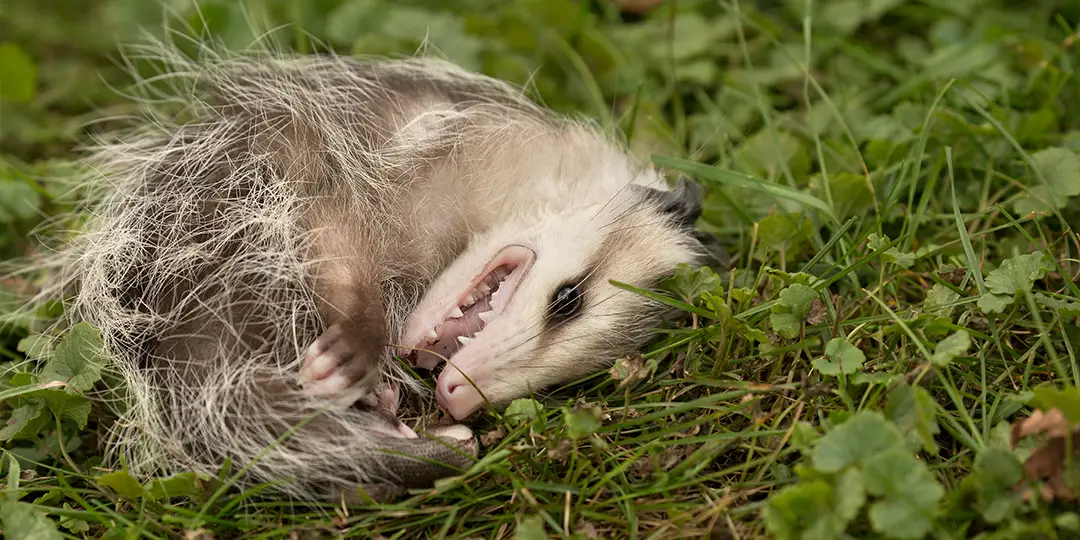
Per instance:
{"type": "Point", "coordinates": [715, 254]}
{"type": "Point", "coordinates": [683, 203]}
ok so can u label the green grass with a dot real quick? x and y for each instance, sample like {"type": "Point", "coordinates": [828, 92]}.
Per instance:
{"type": "Point", "coordinates": [894, 183]}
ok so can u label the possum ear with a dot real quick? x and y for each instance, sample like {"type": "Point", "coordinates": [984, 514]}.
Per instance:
{"type": "Point", "coordinates": [683, 203]}
{"type": "Point", "coordinates": [716, 255]}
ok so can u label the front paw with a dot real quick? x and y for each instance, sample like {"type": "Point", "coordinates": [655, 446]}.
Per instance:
{"type": "Point", "coordinates": [333, 364]}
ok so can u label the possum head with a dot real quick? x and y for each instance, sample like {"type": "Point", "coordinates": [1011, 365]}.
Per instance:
{"type": "Point", "coordinates": [530, 305]}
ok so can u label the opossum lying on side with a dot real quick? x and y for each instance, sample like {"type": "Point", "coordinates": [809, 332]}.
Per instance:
{"type": "Point", "coordinates": [256, 262]}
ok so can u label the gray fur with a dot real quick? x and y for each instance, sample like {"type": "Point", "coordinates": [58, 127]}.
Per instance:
{"type": "Point", "coordinates": [302, 193]}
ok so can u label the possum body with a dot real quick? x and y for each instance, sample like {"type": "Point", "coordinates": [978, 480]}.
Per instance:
{"type": "Point", "coordinates": [256, 261]}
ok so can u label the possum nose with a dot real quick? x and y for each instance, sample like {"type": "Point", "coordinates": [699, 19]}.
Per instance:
{"type": "Point", "coordinates": [457, 395]}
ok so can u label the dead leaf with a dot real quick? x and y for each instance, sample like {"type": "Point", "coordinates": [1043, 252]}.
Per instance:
{"type": "Point", "coordinates": [561, 452]}
{"type": "Point", "coordinates": [954, 275]}
{"type": "Point", "coordinates": [586, 528]}
{"type": "Point", "coordinates": [629, 370]}
{"type": "Point", "coordinates": [678, 367]}
{"type": "Point", "coordinates": [673, 456]}
{"type": "Point", "coordinates": [1051, 423]}
{"type": "Point", "coordinates": [492, 437]}
{"type": "Point", "coordinates": [643, 468]}
{"type": "Point", "coordinates": [1048, 463]}
{"type": "Point", "coordinates": [818, 314]}
{"type": "Point", "coordinates": [198, 534]}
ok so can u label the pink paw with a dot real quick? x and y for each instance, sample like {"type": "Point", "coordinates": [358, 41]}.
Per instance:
{"type": "Point", "coordinates": [331, 364]}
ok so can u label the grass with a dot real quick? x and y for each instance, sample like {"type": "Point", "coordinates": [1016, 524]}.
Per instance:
{"type": "Point", "coordinates": [894, 183]}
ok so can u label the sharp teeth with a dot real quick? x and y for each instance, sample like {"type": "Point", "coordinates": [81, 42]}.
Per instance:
{"type": "Point", "coordinates": [483, 287]}
{"type": "Point", "coordinates": [432, 334]}
{"type": "Point", "coordinates": [484, 316]}
{"type": "Point", "coordinates": [464, 340]}
{"type": "Point", "coordinates": [456, 313]}
{"type": "Point", "coordinates": [469, 301]}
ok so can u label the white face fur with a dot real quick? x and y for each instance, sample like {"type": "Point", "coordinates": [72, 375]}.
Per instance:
{"type": "Point", "coordinates": [535, 297]}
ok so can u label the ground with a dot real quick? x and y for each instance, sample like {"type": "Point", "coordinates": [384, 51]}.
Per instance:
{"type": "Point", "coordinates": [888, 350]}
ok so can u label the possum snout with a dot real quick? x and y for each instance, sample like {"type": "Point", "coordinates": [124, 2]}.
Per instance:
{"type": "Point", "coordinates": [459, 309]}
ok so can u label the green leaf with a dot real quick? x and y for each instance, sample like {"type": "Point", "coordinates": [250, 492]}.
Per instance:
{"type": "Point", "coordinates": [523, 410]}
{"type": "Point", "coordinates": [1060, 167]}
{"type": "Point", "coordinates": [729, 323]}
{"type": "Point", "coordinates": [804, 436]}
{"type": "Point", "coordinates": [797, 299]}
{"type": "Point", "coordinates": [785, 324]}
{"type": "Point", "coordinates": [789, 278]}
{"type": "Point", "coordinates": [862, 436]}
{"type": "Point", "coordinates": [951, 347]}
{"type": "Point", "coordinates": [123, 483]}
{"type": "Point", "coordinates": [1047, 396]}
{"type": "Point", "coordinates": [841, 358]}
{"type": "Point", "coordinates": [18, 201]}
{"type": "Point", "coordinates": [1018, 274]}
{"type": "Point", "coordinates": [49, 498]}
{"type": "Point", "coordinates": [691, 37]}
{"type": "Point", "coordinates": [1068, 521]}
{"type": "Point", "coordinates": [530, 528]}
{"type": "Point", "coordinates": [1065, 308]}
{"type": "Point", "coordinates": [850, 194]}
{"type": "Point", "coordinates": [583, 422]}
{"type": "Point", "coordinates": [783, 232]}
{"type": "Point", "coordinates": [993, 303]}
{"type": "Point", "coordinates": [877, 242]}
{"type": "Point", "coordinates": [36, 346]}
{"type": "Point", "coordinates": [806, 511]}
{"type": "Point", "coordinates": [938, 297]}
{"type": "Point", "coordinates": [74, 525]}
{"type": "Point", "coordinates": [912, 409]}
{"type": "Point", "coordinates": [354, 18]}
{"type": "Point", "coordinates": [11, 492]}
{"type": "Point", "coordinates": [761, 154]}
{"type": "Point", "coordinates": [910, 494]}
{"type": "Point", "coordinates": [66, 404]}
{"type": "Point", "coordinates": [850, 494]}
{"type": "Point", "coordinates": [78, 360]}
{"type": "Point", "coordinates": [995, 472]}
{"type": "Point", "coordinates": [23, 521]}
{"type": "Point", "coordinates": [847, 15]}
{"type": "Point", "coordinates": [689, 283]}
{"type": "Point", "coordinates": [903, 260]}
{"type": "Point", "coordinates": [24, 423]}
{"type": "Point", "coordinates": [18, 74]}
{"type": "Point", "coordinates": [792, 308]}
{"type": "Point", "coordinates": [185, 484]}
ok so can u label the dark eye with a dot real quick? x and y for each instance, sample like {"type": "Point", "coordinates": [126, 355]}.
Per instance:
{"type": "Point", "coordinates": [566, 301]}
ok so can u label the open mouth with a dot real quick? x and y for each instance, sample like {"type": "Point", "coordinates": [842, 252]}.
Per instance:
{"type": "Point", "coordinates": [477, 306]}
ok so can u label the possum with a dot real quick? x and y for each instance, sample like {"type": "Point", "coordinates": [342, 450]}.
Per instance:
{"type": "Point", "coordinates": [276, 241]}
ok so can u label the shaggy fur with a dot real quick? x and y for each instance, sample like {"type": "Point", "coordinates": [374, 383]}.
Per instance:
{"type": "Point", "coordinates": [284, 196]}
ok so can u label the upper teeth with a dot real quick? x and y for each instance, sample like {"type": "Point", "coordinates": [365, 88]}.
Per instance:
{"type": "Point", "coordinates": [456, 313]}
{"type": "Point", "coordinates": [484, 316]}
{"type": "Point", "coordinates": [432, 334]}
{"type": "Point", "coordinates": [464, 340]}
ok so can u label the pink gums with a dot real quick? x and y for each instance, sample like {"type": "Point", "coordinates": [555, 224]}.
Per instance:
{"type": "Point", "coordinates": [441, 336]}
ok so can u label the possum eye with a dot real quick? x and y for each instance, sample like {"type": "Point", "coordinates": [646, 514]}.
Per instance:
{"type": "Point", "coordinates": [566, 301]}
